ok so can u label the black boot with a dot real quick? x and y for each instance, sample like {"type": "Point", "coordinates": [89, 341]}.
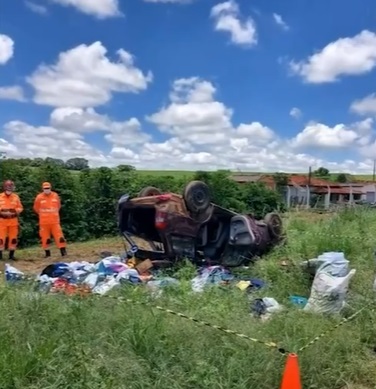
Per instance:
{"type": "Point", "coordinates": [1, 255]}
{"type": "Point", "coordinates": [48, 253]}
{"type": "Point", "coordinates": [11, 255]}
{"type": "Point", "coordinates": [63, 251]}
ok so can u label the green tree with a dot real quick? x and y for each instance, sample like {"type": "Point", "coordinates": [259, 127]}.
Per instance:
{"type": "Point", "coordinates": [77, 164]}
{"type": "Point", "coordinates": [260, 200]}
{"type": "Point", "coordinates": [281, 181]}
{"type": "Point", "coordinates": [101, 196]}
{"type": "Point", "coordinates": [321, 172]}
{"type": "Point", "coordinates": [55, 161]}
{"type": "Point", "coordinates": [126, 168]}
{"type": "Point", "coordinates": [342, 178]}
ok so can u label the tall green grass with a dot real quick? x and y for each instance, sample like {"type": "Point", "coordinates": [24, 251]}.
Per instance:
{"type": "Point", "coordinates": [53, 342]}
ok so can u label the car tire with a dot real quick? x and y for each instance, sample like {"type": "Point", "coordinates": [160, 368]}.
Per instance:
{"type": "Point", "coordinates": [274, 223]}
{"type": "Point", "coordinates": [149, 191]}
{"type": "Point", "coordinates": [196, 196]}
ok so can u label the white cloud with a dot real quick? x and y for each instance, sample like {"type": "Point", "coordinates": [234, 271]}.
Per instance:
{"type": "Point", "coordinates": [85, 77]}
{"type": "Point", "coordinates": [12, 93]}
{"type": "Point", "coordinates": [338, 137]}
{"type": "Point", "coordinates": [295, 113]}
{"type": "Point", "coordinates": [197, 133]}
{"type": "Point", "coordinates": [279, 20]}
{"type": "Point", "coordinates": [64, 137]}
{"type": "Point", "coordinates": [343, 57]}
{"type": "Point", "coordinates": [81, 121]}
{"type": "Point", "coordinates": [37, 8]}
{"type": "Point", "coordinates": [78, 120]}
{"type": "Point", "coordinates": [365, 106]}
{"type": "Point", "coordinates": [227, 18]}
{"type": "Point", "coordinates": [193, 114]}
{"type": "Point", "coordinates": [124, 154]}
{"type": "Point", "coordinates": [127, 133]}
{"type": "Point", "coordinates": [6, 48]}
{"type": "Point", "coordinates": [99, 8]}
{"type": "Point", "coordinates": [46, 141]}
{"type": "Point", "coordinates": [211, 141]}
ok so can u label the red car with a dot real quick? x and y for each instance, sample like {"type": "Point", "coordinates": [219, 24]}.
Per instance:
{"type": "Point", "coordinates": [191, 226]}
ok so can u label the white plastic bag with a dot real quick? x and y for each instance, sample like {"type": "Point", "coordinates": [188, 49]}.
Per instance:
{"type": "Point", "coordinates": [105, 286]}
{"type": "Point", "coordinates": [328, 293]}
{"type": "Point", "coordinates": [334, 262]}
{"type": "Point", "coordinates": [91, 280]}
{"type": "Point", "coordinates": [13, 274]}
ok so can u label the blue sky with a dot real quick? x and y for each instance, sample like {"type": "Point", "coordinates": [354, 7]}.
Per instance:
{"type": "Point", "coordinates": [246, 85]}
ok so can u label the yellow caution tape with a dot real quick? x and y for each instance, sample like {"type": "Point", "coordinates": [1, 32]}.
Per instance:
{"type": "Point", "coordinates": [330, 330]}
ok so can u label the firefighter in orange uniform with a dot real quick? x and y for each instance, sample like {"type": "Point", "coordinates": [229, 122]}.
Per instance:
{"type": "Point", "coordinates": [10, 208]}
{"type": "Point", "coordinates": [47, 207]}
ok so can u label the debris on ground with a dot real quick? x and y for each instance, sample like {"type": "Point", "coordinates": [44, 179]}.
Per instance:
{"type": "Point", "coordinates": [211, 275]}
{"type": "Point", "coordinates": [13, 274]}
{"type": "Point", "coordinates": [250, 285]}
{"type": "Point", "coordinates": [299, 301]}
{"type": "Point", "coordinates": [156, 286]}
{"type": "Point", "coordinates": [332, 276]}
{"type": "Point", "coordinates": [99, 278]}
{"type": "Point", "coordinates": [330, 270]}
{"type": "Point", "coordinates": [263, 308]}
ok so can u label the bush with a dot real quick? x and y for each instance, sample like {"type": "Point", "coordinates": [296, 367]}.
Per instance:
{"type": "Point", "coordinates": [89, 196]}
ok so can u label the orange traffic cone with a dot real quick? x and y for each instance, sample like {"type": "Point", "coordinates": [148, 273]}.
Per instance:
{"type": "Point", "coordinates": [291, 375]}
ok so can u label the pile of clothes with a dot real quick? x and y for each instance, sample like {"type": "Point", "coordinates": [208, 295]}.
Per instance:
{"type": "Point", "coordinates": [84, 277]}
{"type": "Point", "coordinates": [112, 271]}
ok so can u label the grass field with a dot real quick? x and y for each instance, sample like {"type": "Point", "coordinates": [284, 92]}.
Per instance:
{"type": "Point", "coordinates": [56, 342]}
{"type": "Point", "coordinates": [189, 174]}
{"type": "Point", "coordinates": [163, 173]}
{"type": "Point", "coordinates": [186, 174]}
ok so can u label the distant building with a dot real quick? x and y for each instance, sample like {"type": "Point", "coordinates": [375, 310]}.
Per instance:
{"type": "Point", "coordinates": [304, 191]}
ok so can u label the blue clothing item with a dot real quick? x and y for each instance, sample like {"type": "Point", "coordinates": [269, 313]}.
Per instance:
{"type": "Point", "coordinates": [258, 307]}
{"type": "Point", "coordinates": [211, 275]}
{"type": "Point", "coordinates": [298, 300]}
{"type": "Point", "coordinates": [256, 284]}
{"type": "Point", "coordinates": [56, 269]}
{"type": "Point", "coordinates": [162, 282]}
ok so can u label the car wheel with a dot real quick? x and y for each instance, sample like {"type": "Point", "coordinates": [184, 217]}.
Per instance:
{"type": "Point", "coordinates": [149, 191]}
{"type": "Point", "coordinates": [274, 223]}
{"type": "Point", "coordinates": [197, 197]}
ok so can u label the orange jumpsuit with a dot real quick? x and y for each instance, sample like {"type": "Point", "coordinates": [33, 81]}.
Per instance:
{"type": "Point", "coordinates": [47, 206]}
{"type": "Point", "coordinates": [9, 225]}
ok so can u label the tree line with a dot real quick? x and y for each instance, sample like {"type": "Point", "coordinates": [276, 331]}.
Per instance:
{"type": "Point", "coordinates": [89, 196]}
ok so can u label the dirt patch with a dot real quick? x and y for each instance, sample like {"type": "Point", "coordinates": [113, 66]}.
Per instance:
{"type": "Point", "coordinates": [32, 260]}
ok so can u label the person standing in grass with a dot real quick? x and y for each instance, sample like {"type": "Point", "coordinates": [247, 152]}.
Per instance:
{"type": "Point", "coordinates": [10, 208]}
{"type": "Point", "coordinates": [47, 206]}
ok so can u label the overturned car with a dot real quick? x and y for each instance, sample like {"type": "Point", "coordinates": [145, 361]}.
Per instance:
{"type": "Point", "coordinates": [191, 226]}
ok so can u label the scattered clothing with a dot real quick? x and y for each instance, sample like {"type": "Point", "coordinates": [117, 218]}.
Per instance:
{"type": "Point", "coordinates": [299, 301]}
{"type": "Point", "coordinates": [263, 308]}
{"type": "Point", "coordinates": [212, 275]}
{"type": "Point", "coordinates": [250, 285]}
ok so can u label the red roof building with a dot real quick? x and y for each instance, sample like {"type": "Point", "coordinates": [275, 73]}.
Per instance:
{"type": "Point", "coordinates": [299, 185]}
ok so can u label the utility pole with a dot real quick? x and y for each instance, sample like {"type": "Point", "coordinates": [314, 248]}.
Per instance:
{"type": "Point", "coordinates": [309, 176]}
{"type": "Point", "coordinates": [374, 170]}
